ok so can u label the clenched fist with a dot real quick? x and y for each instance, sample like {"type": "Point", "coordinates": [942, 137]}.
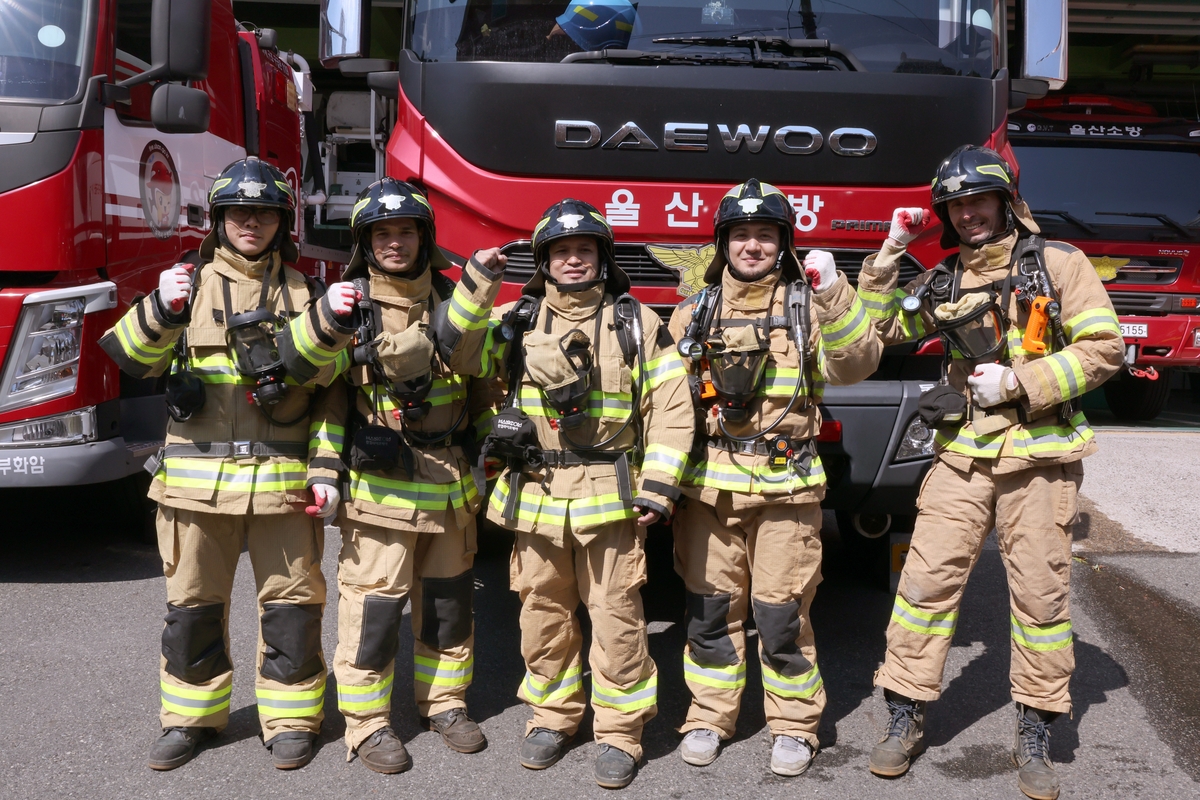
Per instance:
{"type": "Point", "coordinates": [492, 260]}
{"type": "Point", "coordinates": [342, 297]}
{"type": "Point", "coordinates": [820, 269]}
{"type": "Point", "coordinates": [907, 224]}
{"type": "Point", "coordinates": [175, 287]}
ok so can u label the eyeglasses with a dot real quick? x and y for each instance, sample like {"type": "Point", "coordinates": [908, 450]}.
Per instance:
{"type": "Point", "coordinates": [242, 214]}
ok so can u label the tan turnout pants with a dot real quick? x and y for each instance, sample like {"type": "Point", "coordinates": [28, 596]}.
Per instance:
{"type": "Point", "coordinates": [378, 571]}
{"type": "Point", "coordinates": [200, 553]}
{"type": "Point", "coordinates": [1032, 511]}
{"type": "Point", "coordinates": [605, 575]}
{"type": "Point", "coordinates": [768, 555]}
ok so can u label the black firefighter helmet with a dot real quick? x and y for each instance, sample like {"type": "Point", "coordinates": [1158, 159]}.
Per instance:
{"type": "Point", "coordinates": [571, 217]}
{"type": "Point", "coordinates": [390, 198]}
{"type": "Point", "coordinates": [754, 201]}
{"type": "Point", "coordinates": [251, 182]}
{"type": "Point", "coordinates": [970, 170]}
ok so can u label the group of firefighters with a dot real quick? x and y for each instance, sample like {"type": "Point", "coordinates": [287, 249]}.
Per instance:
{"type": "Point", "coordinates": [390, 402]}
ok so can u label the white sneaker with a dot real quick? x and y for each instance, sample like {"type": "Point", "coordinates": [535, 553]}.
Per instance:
{"type": "Point", "coordinates": [700, 747]}
{"type": "Point", "coordinates": [790, 756]}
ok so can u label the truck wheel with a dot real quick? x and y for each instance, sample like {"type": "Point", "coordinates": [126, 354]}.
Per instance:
{"type": "Point", "coordinates": [1138, 399]}
{"type": "Point", "coordinates": [866, 541]}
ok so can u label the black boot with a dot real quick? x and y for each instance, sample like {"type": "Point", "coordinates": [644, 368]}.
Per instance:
{"type": "Point", "coordinates": [542, 748]}
{"type": "Point", "coordinates": [176, 746]}
{"type": "Point", "coordinates": [904, 737]}
{"type": "Point", "coordinates": [383, 752]}
{"type": "Point", "coordinates": [292, 749]}
{"type": "Point", "coordinates": [1031, 753]}
{"type": "Point", "coordinates": [614, 767]}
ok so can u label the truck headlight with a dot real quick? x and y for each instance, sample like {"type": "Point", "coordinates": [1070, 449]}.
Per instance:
{"type": "Point", "coordinates": [73, 427]}
{"type": "Point", "coordinates": [43, 359]}
{"type": "Point", "coordinates": [917, 441]}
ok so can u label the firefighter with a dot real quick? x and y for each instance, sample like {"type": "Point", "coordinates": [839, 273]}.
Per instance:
{"type": "Point", "coordinates": [396, 432]}
{"type": "Point", "coordinates": [245, 338]}
{"type": "Point", "coordinates": [1009, 440]}
{"type": "Point", "coordinates": [590, 441]}
{"type": "Point", "coordinates": [760, 343]}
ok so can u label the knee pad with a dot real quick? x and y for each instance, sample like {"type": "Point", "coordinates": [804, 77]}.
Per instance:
{"type": "Point", "coordinates": [379, 637]}
{"type": "Point", "coordinates": [292, 637]}
{"type": "Point", "coordinates": [193, 643]}
{"type": "Point", "coordinates": [707, 617]}
{"type": "Point", "coordinates": [778, 629]}
{"type": "Point", "coordinates": [446, 610]}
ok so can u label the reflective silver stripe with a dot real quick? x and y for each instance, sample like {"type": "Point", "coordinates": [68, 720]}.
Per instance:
{"type": "Point", "coordinates": [945, 624]}
{"type": "Point", "coordinates": [274, 703]}
{"type": "Point", "coordinates": [649, 693]}
{"type": "Point", "coordinates": [191, 702]}
{"type": "Point", "coordinates": [364, 697]}
{"type": "Point", "coordinates": [438, 672]}
{"type": "Point", "coordinates": [730, 674]}
{"type": "Point", "coordinates": [538, 695]}
{"type": "Point", "coordinates": [785, 685]}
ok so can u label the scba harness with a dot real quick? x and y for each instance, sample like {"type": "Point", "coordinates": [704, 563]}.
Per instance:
{"type": "Point", "coordinates": [513, 439]}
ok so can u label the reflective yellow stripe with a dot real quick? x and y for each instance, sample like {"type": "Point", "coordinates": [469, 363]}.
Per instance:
{"type": "Point", "coordinates": [276, 704]}
{"type": "Point", "coordinates": [308, 347]}
{"type": "Point", "coordinates": [879, 305]}
{"type": "Point", "coordinates": [665, 459]}
{"type": "Point", "coordinates": [1068, 371]}
{"type": "Point", "coordinates": [227, 476]}
{"type": "Point", "coordinates": [643, 694]}
{"type": "Point", "coordinates": [1043, 639]}
{"type": "Point", "coordinates": [444, 391]}
{"type": "Point", "coordinates": [1053, 438]}
{"type": "Point", "coordinates": [193, 702]}
{"type": "Point", "coordinates": [805, 685]}
{"type": "Point", "coordinates": [372, 488]}
{"type": "Point", "coordinates": [606, 405]}
{"type": "Point", "coordinates": [584, 511]}
{"type": "Point", "coordinates": [135, 347]}
{"type": "Point", "coordinates": [1090, 323]}
{"type": "Point", "coordinates": [443, 673]}
{"type": "Point", "coordinates": [730, 677]}
{"type": "Point", "coordinates": [465, 314]}
{"type": "Point", "coordinates": [846, 329]}
{"type": "Point", "coordinates": [565, 684]}
{"type": "Point", "coordinates": [326, 436]}
{"type": "Point", "coordinates": [366, 698]}
{"type": "Point", "coordinates": [761, 479]}
{"type": "Point", "coordinates": [661, 370]}
{"type": "Point", "coordinates": [912, 618]}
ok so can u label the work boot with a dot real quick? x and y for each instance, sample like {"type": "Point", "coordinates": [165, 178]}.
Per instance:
{"type": "Point", "coordinates": [542, 748]}
{"type": "Point", "coordinates": [384, 752]}
{"type": "Point", "coordinates": [790, 755]}
{"type": "Point", "coordinates": [614, 767]}
{"type": "Point", "coordinates": [904, 738]}
{"type": "Point", "coordinates": [175, 746]}
{"type": "Point", "coordinates": [1031, 753]}
{"type": "Point", "coordinates": [292, 749]}
{"type": "Point", "coordinates": [700, 747]}
{"type": "Point", "coordinates": [458, 731]}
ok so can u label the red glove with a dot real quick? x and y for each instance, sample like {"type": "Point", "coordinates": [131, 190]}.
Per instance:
{"type": "Point", "coordinates": [907, 224]}
{"type": "Point", "coordinates": [327, 497]}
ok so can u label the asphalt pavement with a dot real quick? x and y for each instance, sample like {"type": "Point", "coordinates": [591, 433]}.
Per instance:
{"type": "Point", "coordinates": [80, 617]}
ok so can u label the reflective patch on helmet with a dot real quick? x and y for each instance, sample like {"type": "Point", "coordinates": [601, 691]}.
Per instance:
{"type": "Point", "coordinates": [545, 221]}
{"type": "Point", "coordinates": [422, 201]}
{"type": "Point", "coordinates": [219, 184]}
{"type": "Point", "coordinates": [392, 202]}
{"type": "Point", "coordinates": [287, 189]}
{"type": "Point", "coordinates": [993, 169]}
{"type": "Point", "coordinates": [586, 14]}
{"type": "Point", "coordinates": [750, 204]}
{"type": "Point", "coordinates": [953, 184]}
{"type": "Point", "coordinates": [766, 189]}
{"type": "Point", "coordinates": [251, 188]}
{"type": "Point", "coordinates": [359, 206]}
{"type": "Point", "coordinates": [570, 221]}
{"type": "Point", "coordinates": [600, 218]}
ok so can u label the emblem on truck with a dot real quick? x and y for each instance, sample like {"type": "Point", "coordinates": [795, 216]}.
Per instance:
{"type": "Point", "coordinates": [687, 261]}
{"type": "Point", "coordinates": [794, 140]}
{"type": "Point", "coordinates": [159, 184]}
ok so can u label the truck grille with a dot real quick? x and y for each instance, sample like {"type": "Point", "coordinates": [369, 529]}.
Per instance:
{"type": "Point", "coordinates": [645, 271]}
{"type": "Point", "coordinates": [1140, 303]}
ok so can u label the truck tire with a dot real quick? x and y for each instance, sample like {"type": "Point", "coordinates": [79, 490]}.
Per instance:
{"type": "Point", "coordinates": [1138, 399]}
{"type": "Point", "coordinates": [866, 541]}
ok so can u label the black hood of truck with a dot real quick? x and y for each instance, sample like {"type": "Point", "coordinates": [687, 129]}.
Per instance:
{"type": "Point", "coordinates": [501, 117]}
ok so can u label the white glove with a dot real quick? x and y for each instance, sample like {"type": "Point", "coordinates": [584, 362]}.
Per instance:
{"type": "Point", "coordinates": [175, 287]}
{"type": "Point", "coordinates": [993, 384]}
{"type": "Point", "coordinates": [820, 269]}
{"type": "Point", "coordinates": [342, 297]}
{"type": "Point", "coordinates": [907, 223]}
{"type": "Point", "coordinates": [328, 498]}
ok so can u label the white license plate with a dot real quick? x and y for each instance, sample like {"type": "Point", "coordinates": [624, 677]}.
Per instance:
{"type": "Point", "coordinates": [1134, 331]}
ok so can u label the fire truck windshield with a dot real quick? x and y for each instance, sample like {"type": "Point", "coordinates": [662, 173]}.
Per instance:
{"type": "Point", "coordinates": [42, 48]}
{"type": "Point", "coordinates": [941, 37]}
{"type": "Point", "coordinates": [1105, 185]}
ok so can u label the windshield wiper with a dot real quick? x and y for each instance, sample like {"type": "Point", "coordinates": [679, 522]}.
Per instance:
{"type": "Point", "coordinates": [1068, 216]}
{"type": "Point", "coordinates": [1162, 218]}
{"type": "Point", "coordinates": [757, 44]}
{"type": "Point", "coordinates": [677, 57]}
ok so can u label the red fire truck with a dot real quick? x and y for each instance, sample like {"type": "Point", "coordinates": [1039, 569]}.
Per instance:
{"type": "Point", "coordinates": [1122, 183]}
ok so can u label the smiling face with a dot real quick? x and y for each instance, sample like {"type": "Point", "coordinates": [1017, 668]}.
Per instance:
{"type": "Point", "coordinates": [251, 229]}
{"type": "Point", "coordinates": [977, 217]}
{"type": "Point", "coordinates": [753, 249]}
{"type": "Point", "coordinates": [574, 259]}
{"type": "Point", "coordinates": [396, 244]}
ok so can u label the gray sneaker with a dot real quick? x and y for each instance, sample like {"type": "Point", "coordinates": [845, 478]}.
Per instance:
{"type": "Point", "coordinates": [700, 747]}
{"type": "Point", "coordinates": [790, 756]}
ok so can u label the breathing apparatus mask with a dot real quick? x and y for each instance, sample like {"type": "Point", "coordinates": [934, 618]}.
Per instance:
{"type": "Point", "coordinates": [737, 362]}
{"type": "Point", "coordinates": [973, 324]}
{"type": "Point", "coordinates": [251, 339]}
{"type": "Point", "coordinates": [562, 367]}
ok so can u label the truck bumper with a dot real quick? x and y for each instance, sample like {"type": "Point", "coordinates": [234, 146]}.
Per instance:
{"type": "Point", "coordinates": [72, 464]}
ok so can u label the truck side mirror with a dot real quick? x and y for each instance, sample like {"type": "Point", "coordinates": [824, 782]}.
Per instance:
{"type": "Point", "coordinates": [180, 32]}
{"type": "Point", "coordinates": [1045, 56]}
{"type": "Point", "coordinates": [179, 109]}
{"type": "Point", "coordinates": [345, 31]}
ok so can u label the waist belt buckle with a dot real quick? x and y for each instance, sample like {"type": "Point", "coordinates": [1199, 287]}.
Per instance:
{"type": "Point", "coordinates": [747, 448]}
{"type": "Point", "coordinates": [238, 449]}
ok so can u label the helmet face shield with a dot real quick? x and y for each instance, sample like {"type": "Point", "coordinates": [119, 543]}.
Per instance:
{"type": "Point", "coordinates": [251, 339]}
{"type": "Point", "coordinates": [736, 376]}
{"type": "Point", "coordinates": [979, 333]}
